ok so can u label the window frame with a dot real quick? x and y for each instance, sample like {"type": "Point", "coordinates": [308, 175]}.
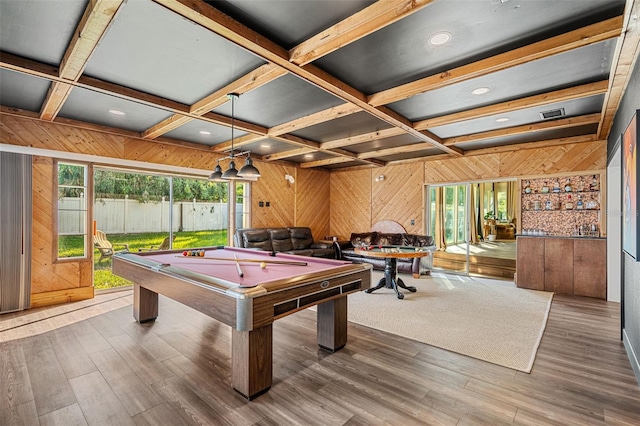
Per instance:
{"type": "Point", "coordinates": [88, 212]}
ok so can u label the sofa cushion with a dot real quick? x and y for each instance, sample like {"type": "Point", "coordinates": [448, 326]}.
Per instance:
{"type": "Point", "coordinates": [258, 238]}
{"type": "Point", "coordinates": [301, 238]}
{"type": "Point", "coordinates": [389, 240]}
{"type": "Point", "coordinates": [364, 238]}
{"type": "Point", "coordinates": [280, 239]}
{"type": "Point", "coordinates": [417, 240]}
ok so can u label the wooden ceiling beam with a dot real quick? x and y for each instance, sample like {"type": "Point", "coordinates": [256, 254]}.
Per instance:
{"type": "Point", "coordinates": [315, 118]}
{"type": "Point", "coordinates": [365, 137]}
{"type": "Point", "coordinates": [325, 162]}
{"type": "Point", "coordinates": [239, 142]}
{"type": "Point", "coordinates": [97, 17]}
{"type": "Point", "coordinates": [624, 60]}
{"type": "Point", "coordinates": [221, 24]}
{"type": "Point", "coordinates": [367, 21]}
{"type": "Point", "coordinates": [506, 148]}
{"type": "Point", "coordinates": [252, 80]}
{"type": "Point", "coordinates": [287, 154]}
{"type": "Point", "coordinates": [395, 150]}
{"type": "Point", "coordinates": [561, 95]}
{"type": "Point", "coordinates": [562, 123]}
{"type": "Point", "coordinates": [531, 145]}
{"type": "Point", "coordinates": [595, 33]}
{"type": "Point", "coordinates": [56, 96]}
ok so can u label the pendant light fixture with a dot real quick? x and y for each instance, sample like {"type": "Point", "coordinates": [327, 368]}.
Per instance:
{"type": "Point", "coordinates": [248, 171]}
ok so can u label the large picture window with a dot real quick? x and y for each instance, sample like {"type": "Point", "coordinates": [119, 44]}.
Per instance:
{"type": "Point", "coordinates": [72, 210]}
{"type": "Point", "coordinates": [139, 211]}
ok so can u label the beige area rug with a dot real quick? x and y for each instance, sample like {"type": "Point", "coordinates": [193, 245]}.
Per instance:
{"type": "Point", "coordinates": [490, 320]}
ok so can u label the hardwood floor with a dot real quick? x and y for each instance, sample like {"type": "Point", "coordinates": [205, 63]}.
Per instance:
{"type": "Point", "coordinates": [95, 365]}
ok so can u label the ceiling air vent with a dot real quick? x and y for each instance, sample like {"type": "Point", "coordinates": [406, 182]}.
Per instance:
{"type": "Point", "coordinates": [554, 113]}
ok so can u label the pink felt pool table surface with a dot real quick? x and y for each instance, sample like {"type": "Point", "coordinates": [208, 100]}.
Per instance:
{"type": "Point", "coordinates": [220, 263]}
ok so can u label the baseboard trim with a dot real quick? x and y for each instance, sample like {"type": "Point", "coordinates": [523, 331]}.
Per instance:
{"type": "Point", "coordinates": [635, 365]}
{"type": "Point", "coordinates": [58, 297]}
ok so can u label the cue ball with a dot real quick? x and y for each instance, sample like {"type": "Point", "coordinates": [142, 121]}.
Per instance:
{"type": "Point", "coordinates": [263, 265]}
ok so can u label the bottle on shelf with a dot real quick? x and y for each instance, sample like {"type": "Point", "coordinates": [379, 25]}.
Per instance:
{"type": "Point", "coordinates": [548, 205]}
{"type": "Point", "coordinates": [579, 203]}
{"type": "Point", "coordinates": [581, 184]}
{"type": "Point", "coordinates": [556, 186]}
{"type": "Point", "coordinates": [527, 187]}
{"type": "Point", "coordinates": [569, 204]}
{"type": "Point", "coordinates": [545, 188]}
{"type": "Point", "coordinates": [591, 204]}
{"type": "Point", "coordinates": [567, 186]}
{"type": "Point", "coordinates": [594, 184]}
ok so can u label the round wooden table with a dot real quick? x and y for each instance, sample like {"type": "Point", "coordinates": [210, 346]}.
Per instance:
{"type": "Point", "coordinates": [391, 254]}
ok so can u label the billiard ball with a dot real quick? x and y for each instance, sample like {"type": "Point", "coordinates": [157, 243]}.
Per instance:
{"type": "Point", "coordinates": [185, 253]}
{"type": "Point", "coordinates": [263, 265]}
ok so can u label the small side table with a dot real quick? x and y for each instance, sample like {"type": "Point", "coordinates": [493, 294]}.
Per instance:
{"type": "Point", "coordinates": [390, 279]}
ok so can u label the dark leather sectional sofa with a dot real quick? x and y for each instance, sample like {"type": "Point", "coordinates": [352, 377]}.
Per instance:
{"type": "Point", "coordinates": [415, 266]}
{"type": "Point", "coordinates": [294, 240]}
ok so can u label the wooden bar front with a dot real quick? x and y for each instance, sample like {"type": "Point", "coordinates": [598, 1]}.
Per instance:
{"type": "Point", "coordinates": [564, 265]}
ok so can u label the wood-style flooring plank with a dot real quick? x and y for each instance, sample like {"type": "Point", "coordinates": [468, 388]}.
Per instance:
{"type": "Point", "coordinates": [177, 370]}
{"type": "Point", "coordinates": [98, 402]}
{"type": "Point", "coordinates": [14, 376]}
{"type": "Point", "coordinates": [70, 415]}
{"type": "Point", "coordinates": [21, 414]}
{"type": "Point", "coordinates": [50, 387]}
{"type": "Point", "coordinates": [135, 395]}
{"type": "Point", "coordinates": [71, 355]}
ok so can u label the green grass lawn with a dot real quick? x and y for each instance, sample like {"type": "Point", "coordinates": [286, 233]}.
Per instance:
{"type": "Point", "coordinates": [103, 278]}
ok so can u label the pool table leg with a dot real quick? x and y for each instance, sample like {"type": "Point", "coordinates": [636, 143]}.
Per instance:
{"type": "Point", "coordinates": [332, 324]}
{"type": "Point", "coordinates": [145, 304]}
{"type": "Point", "coordinates": [252, 361]}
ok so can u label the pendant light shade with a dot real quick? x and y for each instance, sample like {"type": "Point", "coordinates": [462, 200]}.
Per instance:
{"type": "Point", "coordinates": [231, 173]}
{"type": "Point", "coordinates": [248, 171]}
{"type": "Point", "coordinates": [216, 176]}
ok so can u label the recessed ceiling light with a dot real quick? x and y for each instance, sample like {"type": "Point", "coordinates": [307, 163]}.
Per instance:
{"type": "Point", "coordinates": [116, 111]}
{"type": "Point", "coordinates": [440, 38]}
{"type": "Point", "coordinates": [308, 156]}
{"type": "Point", "coordinates": [502, 119]}
{"type": "Point", "coordinates": [204, 132]}
{"type": "Point", "coordinates": [480, 91]}
{"type": "Point", "coordinates": [265, 145]}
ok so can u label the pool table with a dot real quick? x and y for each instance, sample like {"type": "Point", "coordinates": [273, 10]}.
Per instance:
{"type": "Point", "coordinates": [272, 285]}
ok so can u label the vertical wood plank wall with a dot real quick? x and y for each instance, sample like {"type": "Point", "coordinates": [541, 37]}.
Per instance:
{"type": "Point", "coordinates": [335, 203]}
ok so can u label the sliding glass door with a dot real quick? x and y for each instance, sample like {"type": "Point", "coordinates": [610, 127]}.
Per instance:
{"type": "Point", "coordinates": [474, 226]}
{"type": "Point", "coordinates": [448, 224]}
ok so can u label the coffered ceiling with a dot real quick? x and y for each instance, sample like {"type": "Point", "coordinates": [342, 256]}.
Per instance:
{"type": "Point", "coordinates": [324, 83]}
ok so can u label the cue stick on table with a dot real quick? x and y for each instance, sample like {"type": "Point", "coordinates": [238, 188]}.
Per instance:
{"type": "Point", "coordinates": [238, 266]}
{"type": "Point", "coordinates": [275, 262]}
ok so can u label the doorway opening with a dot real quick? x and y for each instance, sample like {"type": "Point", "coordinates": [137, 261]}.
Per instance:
{"type": "Point", "coordinates": [474, 227]}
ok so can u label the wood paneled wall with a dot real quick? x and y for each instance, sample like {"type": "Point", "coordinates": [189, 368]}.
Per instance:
{"type": "Point", "coordinates": [350, 202]}
{"type": "Point", "coordinates": [358, 201]}
{"type": "Point", "coordinates": [273, 188]}
{"type": "Point", "coordinates": [303, 203]}
{"type": "Point", "coordinates": [52, 282]}
{"type": "Point", "coordinates": [313, 199]}
{"type": "Point", "coordinates": [399, 196]}
{"type": "Point", "coordinates": [336, 203]}
{"type": "Point", "coordinates": [578, 157]}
